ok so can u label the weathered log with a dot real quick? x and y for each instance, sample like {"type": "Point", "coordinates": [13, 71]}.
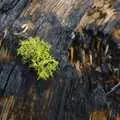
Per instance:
{"type": "Point", "coordinates": [72, 94]}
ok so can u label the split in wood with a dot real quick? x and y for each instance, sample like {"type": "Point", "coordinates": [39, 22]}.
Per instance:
{"type": "Point", "coordinates": [113, 89]}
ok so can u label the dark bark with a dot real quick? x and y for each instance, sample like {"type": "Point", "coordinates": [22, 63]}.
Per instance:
{"type": "Point", "coordinates": [72, 93]}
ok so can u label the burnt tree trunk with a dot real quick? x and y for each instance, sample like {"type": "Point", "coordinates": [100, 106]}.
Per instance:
{"type": "Point", "coordinates": [81, 85]}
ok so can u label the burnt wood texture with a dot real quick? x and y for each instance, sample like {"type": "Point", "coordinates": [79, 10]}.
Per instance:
{"type": "Point", "coordinates": [85, 35]}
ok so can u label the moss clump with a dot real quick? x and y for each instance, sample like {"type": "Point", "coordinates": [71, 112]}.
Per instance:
{"type": "Point", "coordinates": [37, 53]}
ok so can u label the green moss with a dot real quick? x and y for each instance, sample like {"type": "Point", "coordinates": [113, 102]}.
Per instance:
{"type": "Point", "coordinates": [37, 53]}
